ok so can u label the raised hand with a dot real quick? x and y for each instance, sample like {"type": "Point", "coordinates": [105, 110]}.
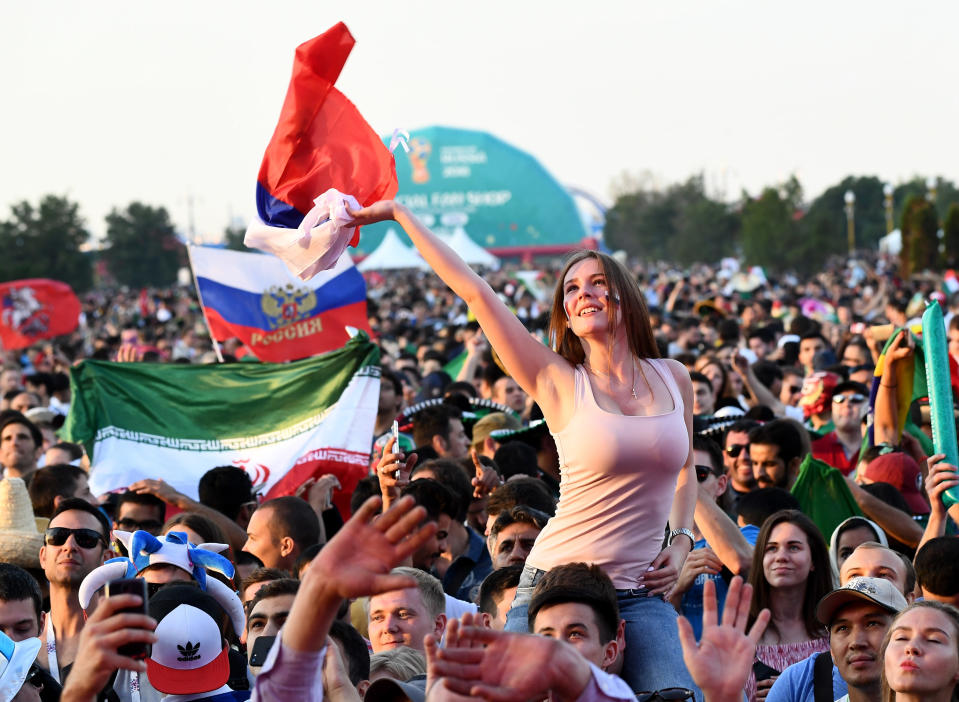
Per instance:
{"type": "Point", "coordinates": [354, 563]}
{"type": "Point", "coordinates": [107, 629]}
{"type": "Point", "coordinates": [377, 212]}
{"type": "Point", "coordinates": [486, 480]}
{"type": "Point", "coordinates": [357, 561]}
{"type": "Point", "coordinates": [393, 472]}
{"type": "Point", "coordinates": [942, 476]}
{"type": "Point", "coordinates": [722, 660]}
{"type": "Point", "coordinates": [505, 667]}
{"type": "Point", "coordinates": [319, 492]}
{"type": "Point", "coordinates": [157, 488]}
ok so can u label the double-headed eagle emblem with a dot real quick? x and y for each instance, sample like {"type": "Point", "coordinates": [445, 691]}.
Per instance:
{"type": "Point", "coordinates": [287, 304]}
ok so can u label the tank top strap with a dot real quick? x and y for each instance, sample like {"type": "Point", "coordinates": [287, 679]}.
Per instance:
{"type": "Point", "coordinates": [660, 366]}
{"type": "Point", "coordinates": [582, 392]}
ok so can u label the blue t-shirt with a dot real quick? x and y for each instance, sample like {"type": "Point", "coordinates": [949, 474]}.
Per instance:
{"type": "Point", "coordinates": [796, 683]}
{"type": "Point", "coordinates": [692, 602]}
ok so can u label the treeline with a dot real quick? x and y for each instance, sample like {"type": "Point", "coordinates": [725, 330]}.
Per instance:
{"type": "Point", "coordinates": [779, 230]}
{"type": "Point", "coordinates": [51, 240]}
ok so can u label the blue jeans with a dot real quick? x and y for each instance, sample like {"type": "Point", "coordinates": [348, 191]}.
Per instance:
{"type": "Point", "coordinates": [653, 657]}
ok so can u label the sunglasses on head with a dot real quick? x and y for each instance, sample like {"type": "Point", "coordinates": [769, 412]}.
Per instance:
{"type": "Point", "coordinates": [856, 399]}
{"type": "Point", "coordinates": [85, 538]}
{"type": "Point", "coordinates": [703, 472]}
{"type": "Point", "coordinates": [667, 694]}
{"type": "Point", "coordinates": [735, 449]}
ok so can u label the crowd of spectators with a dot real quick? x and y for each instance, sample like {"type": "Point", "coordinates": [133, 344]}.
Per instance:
{"type": "Point", "coordinates": [406, 597]}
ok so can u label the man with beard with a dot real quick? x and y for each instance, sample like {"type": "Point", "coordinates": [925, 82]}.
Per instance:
{"type": "Point", "coordinates": [75, 543]}
{"type": "Point", "coordinates": [20, 446]}
{"type": "Point", "coordinates": [776, 450]}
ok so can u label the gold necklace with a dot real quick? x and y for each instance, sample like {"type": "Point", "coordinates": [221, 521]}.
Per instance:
{"type": "Point", "coordinates": [606, 375]}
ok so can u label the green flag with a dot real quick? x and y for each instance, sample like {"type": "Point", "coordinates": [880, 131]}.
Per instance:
{"type": "Point", "coordinates": [282, 423]}
{"type": "Point", "coordinates": [823, 495]}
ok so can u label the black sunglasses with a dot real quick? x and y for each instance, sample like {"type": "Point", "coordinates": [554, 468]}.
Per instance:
{"type": "Point", "coordinates": [127, 524]}
{"type": "Point", "coordinates": [668, 694]}
{"type": "Point", "coordinates": [35, 676]}
{"type": "Point", "coordinates": [856, 399]}
{"type": "Point", "coordinates": [703, 472]}
{"type": "Point", "coordinates": [734, 450]}
{"type": "Point", "coordinates": [85, 538]}
{"type": "Point", "coordinates": [154, 588]}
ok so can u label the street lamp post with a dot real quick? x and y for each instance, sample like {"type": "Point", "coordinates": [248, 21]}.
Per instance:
{"type": "Point", "coordinates": [887, 191]}
{"type": "Point", "coordinates": [850, 198]}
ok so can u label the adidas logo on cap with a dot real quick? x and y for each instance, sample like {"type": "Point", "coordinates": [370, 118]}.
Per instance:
{"type": "Point", "coordinates": [189, 651]}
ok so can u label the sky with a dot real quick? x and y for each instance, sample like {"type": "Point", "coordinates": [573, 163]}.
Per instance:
{"type": "Point", "coordinates": [172, 103]}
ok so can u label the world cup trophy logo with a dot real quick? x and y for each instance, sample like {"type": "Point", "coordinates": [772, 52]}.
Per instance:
{"type": "Point", "coordinates": [420, 151]}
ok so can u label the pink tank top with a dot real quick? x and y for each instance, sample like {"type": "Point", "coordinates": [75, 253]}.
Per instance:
{"type": "Point", "coordinates": [618, 477]}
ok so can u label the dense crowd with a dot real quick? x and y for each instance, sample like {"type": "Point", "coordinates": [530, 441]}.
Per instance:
{"type": "Point", "coordinates": [485, 555]}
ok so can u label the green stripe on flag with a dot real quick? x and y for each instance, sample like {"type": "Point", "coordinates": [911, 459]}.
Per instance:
{"type": "Point", "coordinates": [210, 403]}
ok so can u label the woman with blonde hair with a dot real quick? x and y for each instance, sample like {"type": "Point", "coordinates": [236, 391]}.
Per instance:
{"type": "Point", "coordinates": [921, 654]}
{"type": "Point", "coordinates": [622, 421]}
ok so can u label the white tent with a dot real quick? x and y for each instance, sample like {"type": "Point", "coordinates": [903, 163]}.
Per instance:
{"type": "Point", "coordinates": [392, 254]}
{"type": "Point", "coordinates": [470, 251]}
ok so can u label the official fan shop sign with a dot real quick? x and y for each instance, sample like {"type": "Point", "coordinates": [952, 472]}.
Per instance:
{"type": "Point", "coordinates": [504, 199]}
{"type": "Point", "coordinates": [34, 309]}
{"type": "Point", "coordinates": [281, 423]}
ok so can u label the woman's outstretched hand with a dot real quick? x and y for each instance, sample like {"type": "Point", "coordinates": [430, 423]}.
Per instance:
{"type": "Point", "coordinates": [377, 212]}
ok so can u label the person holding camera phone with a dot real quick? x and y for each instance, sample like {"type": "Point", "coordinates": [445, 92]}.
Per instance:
{"type": "Point", "coordinates": [790, 574]}
{"type": "Point", "coordinates": [356, 562]}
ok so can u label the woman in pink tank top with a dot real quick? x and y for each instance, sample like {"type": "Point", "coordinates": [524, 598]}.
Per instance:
{"type": "Point", "coordinates": [622, 419]}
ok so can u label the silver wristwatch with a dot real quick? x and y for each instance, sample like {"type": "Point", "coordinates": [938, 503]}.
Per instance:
{"type": "Point", "coordinates": [685, 532]}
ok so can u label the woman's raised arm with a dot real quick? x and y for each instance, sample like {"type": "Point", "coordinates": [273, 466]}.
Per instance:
{"type": "Point", "coordinates": [537, 369]}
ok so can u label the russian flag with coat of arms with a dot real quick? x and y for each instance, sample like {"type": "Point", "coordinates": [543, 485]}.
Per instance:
{"type": "Point", "coordinates": [255, 298]}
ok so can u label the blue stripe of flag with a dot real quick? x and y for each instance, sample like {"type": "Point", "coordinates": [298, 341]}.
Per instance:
{"type": "Point", "coordinates": [244, 308]}
{"type": "Point", "coordinates": [276, 212]}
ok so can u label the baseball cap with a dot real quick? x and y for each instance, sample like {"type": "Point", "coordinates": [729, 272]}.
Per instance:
{"type": "Point", "coordinates": [493, 421]}
{"type": "Point", "coordinates": [189, 656]}
{"type": "Point", "coordinates": [389, 690]}
{"type": "Point", "coordinates": [902, 472]}
{"type": "Point", "coordinates": [878, 591]}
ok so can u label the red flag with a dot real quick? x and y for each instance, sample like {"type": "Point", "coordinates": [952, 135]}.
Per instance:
{"type": "Point", "coordinates": [321, 140]}
{"type": "Point", "coordinates": [34, 309]}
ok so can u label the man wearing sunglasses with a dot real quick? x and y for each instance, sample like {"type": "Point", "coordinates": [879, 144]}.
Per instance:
{"type": "Point", "coordinates": [739, 468]}
{"type": "Point", "coordinates": [75, 543]}
{"type": "Point", "coordinates": [721, 549]}
{"type": "Point", "coordinates": [840, 447]}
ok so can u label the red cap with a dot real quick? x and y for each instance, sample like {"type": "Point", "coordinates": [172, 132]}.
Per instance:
{"type": "Point", "coordinates": [902, 472]}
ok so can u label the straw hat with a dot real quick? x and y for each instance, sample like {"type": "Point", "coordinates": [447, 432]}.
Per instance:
{"type": "Point", "coordinates": [21, 535]}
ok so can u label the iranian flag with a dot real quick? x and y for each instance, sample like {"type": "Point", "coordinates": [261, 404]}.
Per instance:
{"type": "Point", "coordinates": [282, 423]}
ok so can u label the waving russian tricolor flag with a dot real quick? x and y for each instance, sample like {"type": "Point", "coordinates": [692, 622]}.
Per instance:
{"type": "Point", "coordinates": [280, 318]}
{"type": "Point", "coordinates": [321, 140]}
